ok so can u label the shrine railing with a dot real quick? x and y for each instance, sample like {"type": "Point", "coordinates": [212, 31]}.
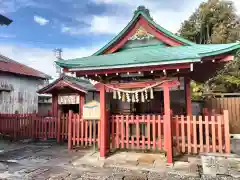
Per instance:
{"type": "Point", "coordinates": [191, 134]}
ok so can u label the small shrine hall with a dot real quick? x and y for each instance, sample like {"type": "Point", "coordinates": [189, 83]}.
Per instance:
{"type": "Point", "coordinates": [143, 71]}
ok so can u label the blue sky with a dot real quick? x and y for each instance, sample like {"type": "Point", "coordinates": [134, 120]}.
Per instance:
{"type": "Point", "coordinates": [80, 27]}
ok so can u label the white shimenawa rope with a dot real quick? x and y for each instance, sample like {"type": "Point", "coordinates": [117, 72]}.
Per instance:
{"type": "Point", "coordinates": [138, 90]}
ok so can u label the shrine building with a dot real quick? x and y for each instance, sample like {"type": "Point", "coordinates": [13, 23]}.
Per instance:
{"type": "Point", "coordinates": [144, 71]}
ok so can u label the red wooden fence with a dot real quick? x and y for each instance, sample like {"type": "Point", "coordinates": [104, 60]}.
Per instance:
{"type": "Point", "coordinates": [137, 132]}
{"type": "Point", "coordinates": [190, 134]}
{"type": "Point", "coordinates": [202, 133]}
{"type": "Point", "coordinates": [82, 132]}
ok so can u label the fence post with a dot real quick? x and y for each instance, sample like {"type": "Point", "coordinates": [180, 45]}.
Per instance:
{"type": "Point", "coordinates": [15, 128]}
{"type": "Point", "coordinates": [226, 130]}
{"type": "Point", "coordinates": [70, 130]}
{"type": "Point", "coordinates": [58, 126]}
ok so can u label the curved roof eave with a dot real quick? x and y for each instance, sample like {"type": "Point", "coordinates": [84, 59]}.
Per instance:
{"type": "Point", "coordinates": [160, 28]}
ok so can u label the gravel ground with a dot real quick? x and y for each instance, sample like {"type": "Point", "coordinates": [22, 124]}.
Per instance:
{"type": "Point", "coordinates": [48, 161]}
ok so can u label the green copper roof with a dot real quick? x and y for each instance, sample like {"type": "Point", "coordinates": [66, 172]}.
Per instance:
{"type": "Point", "coordinates": [142, 11]}
{"type": "Point", "coordinates": [86, 84]}
{"type": "Point", "coordinates": [150, 55]}
{"type": "Point", "coordinates": [81, 83]}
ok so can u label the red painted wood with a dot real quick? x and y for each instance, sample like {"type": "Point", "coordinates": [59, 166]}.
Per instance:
{"type": "Point", "coordinates": [133, 69]}
{"type": "Point", "coordinates": [220, 143]}
{"type": "Point", "coordinates": [137, 131]}
{"type": "Point", "coordinates": [99, 134]}
{"type": "Point", "coordinates": [151, 29]}
{"type": "Point", "coordinates": [201, 134]}
{"type": "Point", "coordinates": [148, 132]}
{"type": "Point", "coordinates": [143, 142]}
{"type": "Point", "coordinates": [82, 132]}
{"type": "Point", "coordinates": [132, 142]}
{"type": "Point", "coordinates": [58, 126]}
{"type": "Point", "coordinates": [66, 128]}
{"type": "Point", "coordinates": [70, 116]}
{"type": "Point", "coordinates": [74, 129]}
{"type": "Point", "coordinates": [117, 131]}
{"type": "Point", "coordinates": [36, 126]}
{"type": "Point", "coordinates": [94, 132]}
{"type": "Point", "coordinates": [183, 134]}
{"type": "Point", "coordinates": [207, 134]}
{"type": "Point", "coordinates": [78, 129]}
{"type": "Point", "coordinates": [189, 134]}
{"type": "Point", "coordinates": [82, 101]}
{"type": "Point", "coordinates": [154, 131]}
{"type": "Point", "coordinates": [122, 41]}
{"type": "Point", "coordinates": [49, 130]}
{"type": "Point", "coordinates": [113, 131]}
{"type": "Point", "coordinates": [103, 122]}
{"type": "Point", "coordinates": [177, 132]}
{"type": "Point", "coordinates": [90, 133]}
{"type": "Point", "coordinates": [194, 135]}
{"type": "Point", "coordinates": [188, 95]}
{"type": "Point", "coordinates": [226, 130]}
{"type": "Point", "coordinates": [122, 131]}
{"type": "Point", "coordinates": [63, 126]}
{"type": "Point", "coordinates": [159, 133]}
{"type": "Point", "coordinates": [167, 124]}
{"type": "Point", "coordinates": [127, 130]}
{"type": "Point", "coordinates": [54, 104]}
{"type": "Point", "coordinates": [213, 134]}
{"type": "Point", "coordinates": [86, 133]}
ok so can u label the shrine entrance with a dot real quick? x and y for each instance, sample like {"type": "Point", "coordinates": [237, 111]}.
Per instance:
{"type": "Point", "coordinates": [65, 108]}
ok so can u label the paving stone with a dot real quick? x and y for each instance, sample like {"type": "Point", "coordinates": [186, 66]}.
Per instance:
{"type": "Point", "coordinates": [153, 176]}
{"type": "Point", "coordinates": [146, 159]}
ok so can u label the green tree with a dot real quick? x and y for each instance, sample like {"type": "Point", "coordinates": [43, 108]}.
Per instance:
{"type": "Point", "coordinates": [216, 22]}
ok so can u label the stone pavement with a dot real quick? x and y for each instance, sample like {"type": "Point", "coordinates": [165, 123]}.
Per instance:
{"type": "Point", "coordinates": [50, 161]}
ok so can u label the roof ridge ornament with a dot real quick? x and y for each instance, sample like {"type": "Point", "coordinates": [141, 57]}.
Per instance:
{"type": "Point", "coordinates": [144, 10]}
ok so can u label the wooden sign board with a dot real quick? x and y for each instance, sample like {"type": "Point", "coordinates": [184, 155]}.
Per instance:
{"type": "Point", "coordinates": [71, 99]}
{"type": "Point", "coordinates": [91, 111]}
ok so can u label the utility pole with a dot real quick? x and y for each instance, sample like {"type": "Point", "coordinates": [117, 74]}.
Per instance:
{"type": "Point", "coordinates": [58, 55]}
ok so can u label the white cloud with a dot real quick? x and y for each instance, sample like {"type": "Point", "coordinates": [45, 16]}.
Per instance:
{"type": "Point", "coordinates": [162, 13]}
{"type": "Point", "coordinates": [73, 30]}
{"type": "Point", "coordinates": [40, 58]}
{"type": "Point", "coordinates": [107, 24]}
{"type": "Point", "coordinates": [40, 20]}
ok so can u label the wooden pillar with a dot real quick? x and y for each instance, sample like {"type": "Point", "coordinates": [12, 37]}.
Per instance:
{"type": "Point", "coordinates": [103, 123]}
{"type": "Point", "coordinates": [54, 105]}
{"type": "Point", "coordinates": [226, 130]}
{"type": "Point", "coordinates": [167, 124]}
{"type": "Point", "coordinates": [70, 115]}
{"type": "Point", "coordinates": [81, 103]}
{"type": "Point", "coordinates": [187, 88]}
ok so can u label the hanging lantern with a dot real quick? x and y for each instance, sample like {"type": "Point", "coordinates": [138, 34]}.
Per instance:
{"type": "Point", "coordinates": [142, 97]}
{"type": "Point", "coordinates": [151, 93]}
{"type": "Point", "coordinates": [114, 94]}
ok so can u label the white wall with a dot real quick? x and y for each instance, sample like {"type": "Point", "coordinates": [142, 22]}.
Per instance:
{"type": "Point", "coordinates": [23, 98]}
